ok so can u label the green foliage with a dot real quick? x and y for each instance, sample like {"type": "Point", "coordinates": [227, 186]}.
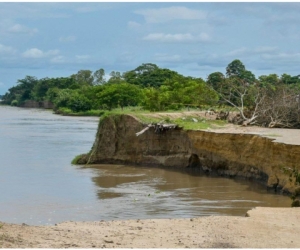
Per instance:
{"type": "Point", "coordinates": [235, 68]}
{"type": "Point", "coordinates": [178, 92]}
{"type": "Point", "coordinates": [155, 88]}
{"type": "Point", "coordinates": [14, 103]}
{"type": "Point", "coordinates": [84, 77]}
{"type": "Point", "coordinates": [76, 158]}
{"type": "Point", "coordinates": [288, 79]}
{"type": "Point", "coordinates": [78, 102]}
{"type": "Point", "coordinates": [116, 77]}
{"type": "Point", "coordinates": [122, 94]}
{"type": "Point", "coordinates": [149, 75]}
{"type": "Point", "coordinates": [21, 92]}
{"type": "Point", "coordinates": [269, 81]}
{"type": "Point", "coordinates": [152, 100]}
{"type": "Point", "coordinates": [216, 80]}
{"type": "Point", "coordinates": [73, 100]}
{"type": "Point", "coordinates": [99, 77]}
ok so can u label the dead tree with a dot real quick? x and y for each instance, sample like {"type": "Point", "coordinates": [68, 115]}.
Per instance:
{"type": "Point", "coordinates": [245, 97]}
{"type": "Point", "coordinates": [280, 108]}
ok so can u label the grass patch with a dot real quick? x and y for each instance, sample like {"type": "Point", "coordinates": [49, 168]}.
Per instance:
{"type": "Point", "coordinates": [186, 122]}
{"type": "Point", "coordinates": [75, 160]}
{"type": "Point", "coordinates": [197, 123]}
{"type": "Point", "coordinates": [145, 116]}
{"type": "Point", "coordinates": [69, 112]}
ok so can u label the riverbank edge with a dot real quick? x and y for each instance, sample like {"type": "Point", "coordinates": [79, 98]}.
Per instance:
{"type": "Point", "coordinates": [262, 227]}
{"type": "Point", "coordinates": [249, 156]}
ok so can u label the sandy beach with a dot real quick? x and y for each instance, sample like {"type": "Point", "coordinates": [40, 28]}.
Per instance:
{"type": "Point", "coordinates": [260, 228]}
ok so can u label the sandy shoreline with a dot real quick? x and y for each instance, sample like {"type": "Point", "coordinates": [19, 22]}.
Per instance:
{"type": "Point", "coordinates": [263, 228]}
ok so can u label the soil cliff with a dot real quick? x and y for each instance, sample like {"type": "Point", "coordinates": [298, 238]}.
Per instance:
{"type": "Point", "coordinates": [234, 155]}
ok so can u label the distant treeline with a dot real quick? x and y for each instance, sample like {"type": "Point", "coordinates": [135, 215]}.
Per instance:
{"type": "Point", "coordinates": [147, 86]}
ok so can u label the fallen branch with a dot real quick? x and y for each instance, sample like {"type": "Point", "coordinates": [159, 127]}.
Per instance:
{"type": "Point", "coordinates": [158, 128]}
{"type": "Point", "coordinates": [142, 131]}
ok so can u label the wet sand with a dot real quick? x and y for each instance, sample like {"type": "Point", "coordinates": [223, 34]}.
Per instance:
{"type": "Point", "coordinates": [261, 228]}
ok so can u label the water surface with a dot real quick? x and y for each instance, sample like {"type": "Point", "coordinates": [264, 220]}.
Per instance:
{"type": "Point", "coordinates": [39, 185]}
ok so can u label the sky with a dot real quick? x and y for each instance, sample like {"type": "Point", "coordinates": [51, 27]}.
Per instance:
{"type": "Point", "coordinates": [55, 39]}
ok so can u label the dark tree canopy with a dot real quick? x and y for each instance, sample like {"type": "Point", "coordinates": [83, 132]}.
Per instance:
{"type": "Point", "coordinates": [148, 75]}
{"type": "Point", "coordinates": [235, 68]}
{"type": "Point", "coordinates": [84, 77]}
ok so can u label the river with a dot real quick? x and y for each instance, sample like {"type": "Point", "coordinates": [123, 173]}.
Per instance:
{"type": "Point", "coordinates": [40, 186]}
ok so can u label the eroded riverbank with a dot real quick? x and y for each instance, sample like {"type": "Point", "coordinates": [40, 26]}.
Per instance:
{"type": "Point", "coordinates": [251, 156]}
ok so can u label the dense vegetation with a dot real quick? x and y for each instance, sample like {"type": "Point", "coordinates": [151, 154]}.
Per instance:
{"type": "Point", "coordinates": [270, 100]}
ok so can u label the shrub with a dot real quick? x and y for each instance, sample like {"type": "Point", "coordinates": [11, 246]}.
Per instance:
{"type": "Point", "coordinates": [14, 103]}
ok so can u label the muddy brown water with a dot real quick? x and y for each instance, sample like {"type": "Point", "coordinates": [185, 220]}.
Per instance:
{"type": "Point", "coordinates": [40, 186]}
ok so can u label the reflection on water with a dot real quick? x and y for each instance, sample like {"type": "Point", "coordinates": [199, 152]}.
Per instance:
{"type": "Point", "coordinates": [160, 193]}
{"type": "Point", "coordinates": [40, 186]}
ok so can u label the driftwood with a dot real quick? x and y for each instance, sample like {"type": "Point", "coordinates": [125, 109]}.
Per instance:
{"type": "Point", "coordinates": [158, 128]}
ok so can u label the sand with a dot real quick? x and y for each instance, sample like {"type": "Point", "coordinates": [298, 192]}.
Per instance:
{"type": "Point", "coordinates": [262, 228]}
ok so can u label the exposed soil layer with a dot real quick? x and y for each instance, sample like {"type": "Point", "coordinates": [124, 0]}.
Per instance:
{"type": "Point", "coordinates": [232, 151]}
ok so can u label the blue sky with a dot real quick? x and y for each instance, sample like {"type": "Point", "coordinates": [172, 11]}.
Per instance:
{"type": "Point", "coordinates": [53, 39]}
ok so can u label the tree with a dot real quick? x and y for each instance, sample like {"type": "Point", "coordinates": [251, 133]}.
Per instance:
{"type": "Point", "coordinates": [84, 77]}
{"type": "Point", "coordinates": [22, 91]}
{"type": "Point", "coordinates": [280, 108]}
{"type": "Point", "coordinates": [122, 94]}
{"type": "Point", "coordinates": [73, 100]}
{"type": "Point", "coordinates": [152, 99]}
{"type": "Point", "coordinates": [99, 77]}
{"type": "Point", "coordinates": [197, 92]}
{"type": "Point", "coordinates": [216, 80]}
{"type": "Point", "coordinates": [148, 75]}
{"type": "Point", "coordinates": [288, 79]}
{"type": "Point", "coordinates": [240, 90]}
{"type": "Point", "coordinates": [235, 68]}
{"type": "Point", "coordinates": [270, 81]}
{"type": "Point", "coordinates": [180, 91]}
{"type": "Point", "coordinates": [78, 102]}
{"type": "Point", "coordinates": [115, 77]}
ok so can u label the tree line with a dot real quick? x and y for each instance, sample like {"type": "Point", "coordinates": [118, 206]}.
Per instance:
{"type": "Point", "coordinates": [268, 100]}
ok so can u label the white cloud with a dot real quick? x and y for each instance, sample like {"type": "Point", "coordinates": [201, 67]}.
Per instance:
{"type": "Point", "coordinates": [67, 38]}
{"type": "Point", "coordinates": [174, 38]}
{"type": "Point", "coordinates": [6, 49]}
{"type": "Point", "coordinates": [125, 57]}
{"type": "Point", "coordinates": [86, 9]}
{"type": "Point", "coordinates": [133, 25]}
{"type": "Point", "coordinates": [58, 59]}
{"type": "Point", "coordinates": [238, 52]}
{"type": "Point", "coordinates": [83, 57]}
{"type": "Point", "coordinates": [265, 49]}
{"type": "Point", "coordinates": [18, 28]}
{"type": "Point", "coordinates": [171, 13]}
{"type": "Point", "coordinates": [167, 58]}
{"type": "Point", "coordinates": [37, 53]}
{"type": "Point", "coordinates": [290, 57]}
{"type": "Point", "coordinates": [250, 52]}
